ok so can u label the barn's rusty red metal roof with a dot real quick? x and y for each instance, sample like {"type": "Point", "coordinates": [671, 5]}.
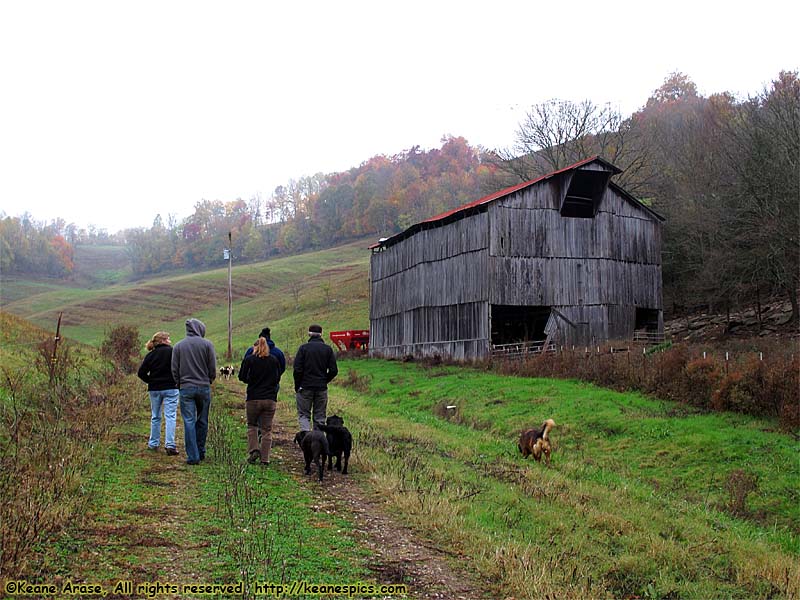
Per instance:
{"type": "Point", "coordinates": [506, 192]}
{"type": "Point", "coordinates": [518, 187]}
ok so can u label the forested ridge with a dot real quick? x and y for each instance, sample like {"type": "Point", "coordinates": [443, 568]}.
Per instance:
{"type": "Point", "coordinates": [723, 171]}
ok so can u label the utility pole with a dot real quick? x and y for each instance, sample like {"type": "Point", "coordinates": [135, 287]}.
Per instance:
{"type": "Point", "coordinates": [230, 298]}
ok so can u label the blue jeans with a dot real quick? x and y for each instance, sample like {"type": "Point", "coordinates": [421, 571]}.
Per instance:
{"type": "Point", "coordinates": [195, 402]}
{"type": "Point", "coordinates": [168, 400]}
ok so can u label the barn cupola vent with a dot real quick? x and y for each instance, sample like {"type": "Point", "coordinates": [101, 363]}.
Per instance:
{"type": "Point", "coordinates": [586, 187]}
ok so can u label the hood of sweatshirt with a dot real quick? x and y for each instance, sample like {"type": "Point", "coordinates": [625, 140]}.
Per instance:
{"type": "Point", "coordinates": [195, 327]}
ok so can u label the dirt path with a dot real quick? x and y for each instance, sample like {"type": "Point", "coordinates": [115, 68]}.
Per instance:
{"type": "Point", "coordinates": [143, 527]}
{"type": "Point", "coordinates": [136, 528]}
{"type": "Point", "coordinates": [399, 554]}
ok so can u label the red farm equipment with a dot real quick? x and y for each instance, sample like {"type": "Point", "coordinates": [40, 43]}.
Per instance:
{"type": "Point", "coordinates": [351, 339]}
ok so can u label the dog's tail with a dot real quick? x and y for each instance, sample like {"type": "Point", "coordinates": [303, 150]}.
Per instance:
{"type": "Point", "coordinates": [546, 427]}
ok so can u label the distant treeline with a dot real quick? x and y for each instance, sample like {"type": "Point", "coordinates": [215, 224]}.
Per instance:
{"type": "Point", "coordinates": [379, 197]}
{"type": "Point", "coordinates": [722, 170]}
{"type": "Point", "coordinates": [32, 248]}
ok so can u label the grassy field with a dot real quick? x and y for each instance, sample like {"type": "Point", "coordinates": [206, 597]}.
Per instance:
{"type": "Point", "coordinates": [641, 499]}
{"type": "Point", "coordinates": [152, 518]}
{"type": "Point", "coordinates": [97, 266]}
{"type": "Point", "coordinates": [83, 500]}
{"type": "Point", "coordinates": [329, 287]}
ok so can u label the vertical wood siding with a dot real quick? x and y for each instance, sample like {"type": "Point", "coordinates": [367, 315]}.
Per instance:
{"type": "Point", "coordinates": [428, 293]}
{"type": "Point", "coordinates": [432, 292]}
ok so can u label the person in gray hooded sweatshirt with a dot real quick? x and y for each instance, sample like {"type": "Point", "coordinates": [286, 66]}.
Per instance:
{"type": "Point", "coordinates": [194, 367]}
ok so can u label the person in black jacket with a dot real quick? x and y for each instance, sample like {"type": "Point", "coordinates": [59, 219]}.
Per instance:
{"type": "Point", "coordinates": [261, 372]}
{"type": "Point", "coordinates": [273, 349]}
{"type": "Point", "coordinates": [314, 368]}
{"type": "Point", "coordinates": [156, 372]}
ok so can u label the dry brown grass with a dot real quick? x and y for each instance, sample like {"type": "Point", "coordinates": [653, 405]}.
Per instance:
{"type": "Point", "coordinates": [742, 382]}
{"type": "Point", "coordinates": [48, 434]}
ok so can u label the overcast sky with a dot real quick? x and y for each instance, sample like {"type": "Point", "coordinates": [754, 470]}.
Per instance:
{"type": "Point", "coordinates": [113, 112]}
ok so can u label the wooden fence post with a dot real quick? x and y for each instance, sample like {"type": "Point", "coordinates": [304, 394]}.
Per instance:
{"type": "Point", "coordinates": [54, 357]}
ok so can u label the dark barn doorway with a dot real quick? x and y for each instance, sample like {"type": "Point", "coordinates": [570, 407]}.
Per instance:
{"type": "Point", "coordinates": [646, 320]}
{"type": "Point", "coordinates": [513, 324]}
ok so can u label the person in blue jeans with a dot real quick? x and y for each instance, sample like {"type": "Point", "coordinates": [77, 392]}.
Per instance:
{"type": "Point", "coordinates": [194, 368]}
{"type": "Point", "coordinates": [156, 372]}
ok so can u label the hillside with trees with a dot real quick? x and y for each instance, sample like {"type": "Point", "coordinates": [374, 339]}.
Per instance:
{"type": "Point", "coordinates": [34, 249]}
{"type": "Point", "coordinates": [723, 172]}
{"type": "Point", "coordinates": [383, 195]}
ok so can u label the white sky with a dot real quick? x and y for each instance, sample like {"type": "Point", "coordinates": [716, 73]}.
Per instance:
{"type": "Point", "coordinates": [113, 112]}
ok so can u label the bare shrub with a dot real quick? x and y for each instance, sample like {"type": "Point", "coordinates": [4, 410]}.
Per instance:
{"type": "Point", "coordinates": [730, 394]}
{"type": "Point", "coordinates": [744, 390]}
{"type": "Point", "coordinates": [353, 380]}
{"type": "Point", "coordinates": [122, 347]}
{"type": "Point", "coordinates": [790, 416]}
{"type": "Point", "coordinates": [702, 376]}
{"type": "Point", "coordinates": [782, 388]}
{"type": "Point", "coordinates": [669, 380]}
{"type": "Point", "coordinates": [740, 484]}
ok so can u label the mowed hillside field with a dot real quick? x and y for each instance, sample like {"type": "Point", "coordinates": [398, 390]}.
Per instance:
{"type": "Point", "coordinates": [329, 286]}
{"type": "Point", "coordinates": [644, 498]}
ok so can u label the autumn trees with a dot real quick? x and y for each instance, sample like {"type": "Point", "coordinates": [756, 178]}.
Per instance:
{"type": "Point", "coordinates": [725, 172]}
{"type": "Point", "coordinates": [383, 195]}
{"type": "Point", "coordinates": [33, 248]}
{"type": "Point", "coordinates": [726, 175]}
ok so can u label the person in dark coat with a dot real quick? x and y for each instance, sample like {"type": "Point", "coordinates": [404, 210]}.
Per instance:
{"type": "Point", "coordinates": [273, 349]}
{"type": "Point", "coordinates": [260, 370]}
{"type": "Point", "coordinates": [314, 368]}
{"type": "Point", "coordinates": [156, 372]}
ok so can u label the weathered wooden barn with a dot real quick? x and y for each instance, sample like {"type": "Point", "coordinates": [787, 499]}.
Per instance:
{"type": "Point", "coordinates": [569, 258]}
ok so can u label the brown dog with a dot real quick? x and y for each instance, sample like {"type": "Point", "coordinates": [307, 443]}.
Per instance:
{"type": "Point", "coordinates": [535, 442]}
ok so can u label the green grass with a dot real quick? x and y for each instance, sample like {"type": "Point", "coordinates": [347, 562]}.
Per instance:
{"type": "Point", "coordinates": [101, 265]}
{"type": "Point", "coordinates": [143, 516]}
{"type": "Point", "coordinates": [13, 289]}
{"type": "Point", "coordinates": [152, 518]}
{"type": "Point", "coordinates": [638, 502]}
{"type": "Point", "coordinates": [633, 504]}
{"type": "Point", "coordinates": [268, 524]}
{"type": "Point", "coordinates": [329, 287]}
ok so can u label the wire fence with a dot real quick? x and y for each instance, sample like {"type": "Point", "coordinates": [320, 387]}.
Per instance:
{"type": "Point", "coordinates": [762, 382]}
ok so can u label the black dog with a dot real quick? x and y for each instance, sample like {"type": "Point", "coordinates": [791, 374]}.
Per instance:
{"type": "Point", "coordinates": [340, 441]}
{"type": "Point", "coordinates": [315, 448]}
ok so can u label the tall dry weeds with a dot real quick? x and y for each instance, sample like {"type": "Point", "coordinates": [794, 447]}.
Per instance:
{"type": "Point", "coordinates": [48, 431]}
